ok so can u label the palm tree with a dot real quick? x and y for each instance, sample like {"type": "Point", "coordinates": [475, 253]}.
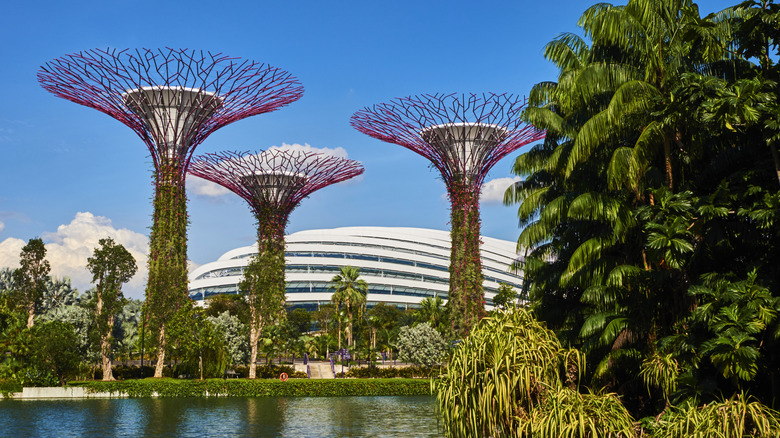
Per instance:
{"type": "Point", "coordinates": [350, 292]}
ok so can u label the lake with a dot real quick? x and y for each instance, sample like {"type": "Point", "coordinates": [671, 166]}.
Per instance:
{"type": "Point", "coordinates": [407, 416]}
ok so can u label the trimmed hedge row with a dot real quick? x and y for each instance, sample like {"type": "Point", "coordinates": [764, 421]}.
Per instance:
{"type": "Point", "coordinates": [7, 387]}
{"type": "Point", "coordinates": [387, 373]}
{"type": "Point", "coordinates": [261, 388]}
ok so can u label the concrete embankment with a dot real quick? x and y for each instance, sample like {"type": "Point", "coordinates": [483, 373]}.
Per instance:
{"type": "Point", "coordinates": [57, 392]}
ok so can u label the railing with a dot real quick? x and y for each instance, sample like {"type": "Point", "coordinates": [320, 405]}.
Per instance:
{"type": "Point", "coordinates": [332, 367]}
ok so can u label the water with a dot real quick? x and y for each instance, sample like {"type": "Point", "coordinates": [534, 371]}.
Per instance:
{"type": "Point", "coordinates": [408, 416]}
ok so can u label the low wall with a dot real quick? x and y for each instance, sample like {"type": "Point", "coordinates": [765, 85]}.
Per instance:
{"type": "Point", "coordinates": [57, 392]}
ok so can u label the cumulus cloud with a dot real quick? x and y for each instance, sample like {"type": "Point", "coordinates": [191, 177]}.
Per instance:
{"type": "Point", "coordinates": [2, 226]}
{"type": "Point", "coordinates": [9, 252]}
{"type": "Point", "coordinates": [67, 250]}
{"type": "Point", "coordinates": [493, 190]}
{"type": "Point", "coordinates": [205, 188]}
{"type": "Point", "coordinates": [306, 147]}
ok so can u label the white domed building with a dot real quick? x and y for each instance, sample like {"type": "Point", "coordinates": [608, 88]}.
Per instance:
{"type": "Point", "coordinates": [402, 266]}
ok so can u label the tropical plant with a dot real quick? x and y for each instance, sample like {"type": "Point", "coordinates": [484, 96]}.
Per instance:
{"type": "Point", "coordinates": [111, 266]}
{"type": "Point", "coordinates": [349, 292]}
{"type": "Point", "coordinates": [500, 373]}
{"type": "Point", "coordinates": [263, 285]}
{"type": "Point", "coordinates": [235, 333]}
{"type": "Point", "coordinates": [505, 298]}
{"type": "Point", "coordinates": [30, 278]}
{"type": "Point", "coordinates": [740, 416]}
{"type": "Point", "coordinates": [421, 345]}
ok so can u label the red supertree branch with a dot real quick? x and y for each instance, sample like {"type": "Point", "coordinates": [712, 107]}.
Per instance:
{"type": "Point", "coordinates": [276, 179]}
{"type": "Point", "coordinates": [463, 136]}
{"type": "Point", "coordinates": [173, 99]}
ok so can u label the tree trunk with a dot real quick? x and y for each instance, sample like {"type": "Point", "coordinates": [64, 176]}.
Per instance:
{"type": "Point", "coordinates": [30, 316]}
{"type": "Point", "coordinates": [349, 331]}
{"type": "Point", "coordinates": [158, 369]}
{"type": "Point", "coordinates": [339, 334]}
{"type": "Point", "coordinates": [254, 337]}
{"type": "Point", "coordinates": [668, 162]}
{"type": "Point", "coordinates": [105, 348]}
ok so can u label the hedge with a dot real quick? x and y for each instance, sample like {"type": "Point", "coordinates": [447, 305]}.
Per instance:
{"type": "Point", "coordinates": [261, 388]}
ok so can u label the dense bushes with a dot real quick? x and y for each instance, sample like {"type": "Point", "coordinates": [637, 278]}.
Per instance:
{"type": "Point", "coordinates": [388, 373]}
{"type": "Point", "coordinates": [261, 388]}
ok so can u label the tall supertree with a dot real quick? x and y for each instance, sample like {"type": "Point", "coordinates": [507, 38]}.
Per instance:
{"type": "Point", "coordinates": [463, 136]}
{"type": "Point", "coordinates": [173, 100]}
{"type": "Point", "coordinates": [273, 183]}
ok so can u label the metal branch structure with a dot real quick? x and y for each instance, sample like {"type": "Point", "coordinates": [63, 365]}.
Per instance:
{"type": "Point", "coordinates": [173, 99]}
{"type": "Point", "coordinates": [273, 183]}
{"type": "Point", "coordinates": [463, 136]}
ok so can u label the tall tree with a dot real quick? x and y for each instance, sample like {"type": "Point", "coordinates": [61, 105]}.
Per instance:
{"type": "Point", "coordinates": [111, 266]}
{"type": "Point", "coordinates": [30, 278]}
{"type": "Point", "coordinates": [263, 284]}
{"type": "Point", "coordinates": [349, 291]}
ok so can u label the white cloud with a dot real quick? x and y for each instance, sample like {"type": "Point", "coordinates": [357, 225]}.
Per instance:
{"type": "Point", "coordinates": [2, 226]}
{"type": "Point", "coordinates": [9, 252]}
{"type": "Point", "coordinates": [67, 250]}
{"type": "Point", "coordinates": [203, 187]}
{"type": "Point", "coordinates": [493, 190]}
{"type": "Point", "coordinates": [306, 147]}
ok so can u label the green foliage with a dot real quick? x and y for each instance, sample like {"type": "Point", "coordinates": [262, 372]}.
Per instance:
{"type": "Point", "coordinates": [649, 212]}
{"type": "Point", "coordinates": [166, 287]}
{"type": "Point", "coordinates": [500, 373]}
{"type": "Point", "coordinates": [51, 352]}
{"type": "Point", "coordinates": [30, 279]}
{"type": "Point", "coordinates": [235, 334]}
{"type": "Point", "coordinates": [740, 416]}
{"type": "Point", "coordinates": [262, 388]}
{"type": "Point", "coordinates": [393, 372]}
{"type": "Point", "coordinates": [421, 345]}
{"type": "Point", "coordinates": [349, 292]}
{"type": "Point", "coordinates": [466, 297]}
{"type": "Point", "coordinates": [235, 304]}
{"type": "Point", "coordinates": [567, 413]}
{"type": "Point", "coordinates": [9, 386]}
{"type": "Point", "coordinates": [506, 297]}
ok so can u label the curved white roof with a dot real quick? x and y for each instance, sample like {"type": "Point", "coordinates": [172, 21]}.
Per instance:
{"type": "Point", "coordinates": [401, 265]}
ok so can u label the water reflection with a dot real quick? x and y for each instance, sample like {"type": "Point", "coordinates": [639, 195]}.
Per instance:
{"type": "Point", "coordinates": [199, 417]}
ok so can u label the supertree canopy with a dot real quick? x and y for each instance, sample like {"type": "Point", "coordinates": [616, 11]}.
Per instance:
{"type": "Point", "coordinates": [463, 136]}
{"type": "Point", "coordinates": [173, 100]}
{"type": "Point", "coordinates": [273, 183]}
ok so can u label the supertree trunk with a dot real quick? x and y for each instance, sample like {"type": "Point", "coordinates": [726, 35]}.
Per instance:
{"type": "Point", "coordinates": [264, 280]}
{"type": "Point", "coordinates": [466, 295]}
{"type": "Point", "coordinates": [166, 289]}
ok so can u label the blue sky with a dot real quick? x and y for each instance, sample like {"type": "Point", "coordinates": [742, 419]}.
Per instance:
{"type": "Point", "coordinates": [73, 175]}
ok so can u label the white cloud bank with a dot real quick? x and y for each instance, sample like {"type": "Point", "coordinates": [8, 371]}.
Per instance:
{"type": "Point", "coordinates": [2, 226]}
{"type": "Point", "coordinates": [67, 250]}
{"type": "Point", "coordinates": [205, 188]}
{"type": "Point", "coordinates": [306, 147]}
{"type": "Point", "coordinates": [493, 190]}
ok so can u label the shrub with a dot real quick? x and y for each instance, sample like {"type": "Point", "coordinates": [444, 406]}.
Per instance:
{"type": "Point", "coordinates": [421, 345]}
{"type": "Point", "coordinates": [389, 373]}
{"type": "Point", "coordinates": [260, 388]}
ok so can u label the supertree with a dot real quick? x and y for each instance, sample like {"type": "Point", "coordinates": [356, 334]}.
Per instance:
{"type": "Point", "coordinates": [173, 99]}
{"type": "Point", "coordinates": [273, 183]}
{"type": "Point", "coordinates": [463, 136]}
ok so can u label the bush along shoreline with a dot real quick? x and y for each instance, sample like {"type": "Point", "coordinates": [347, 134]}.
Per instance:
{"type": "Point", "coordinates": [259, 388]}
